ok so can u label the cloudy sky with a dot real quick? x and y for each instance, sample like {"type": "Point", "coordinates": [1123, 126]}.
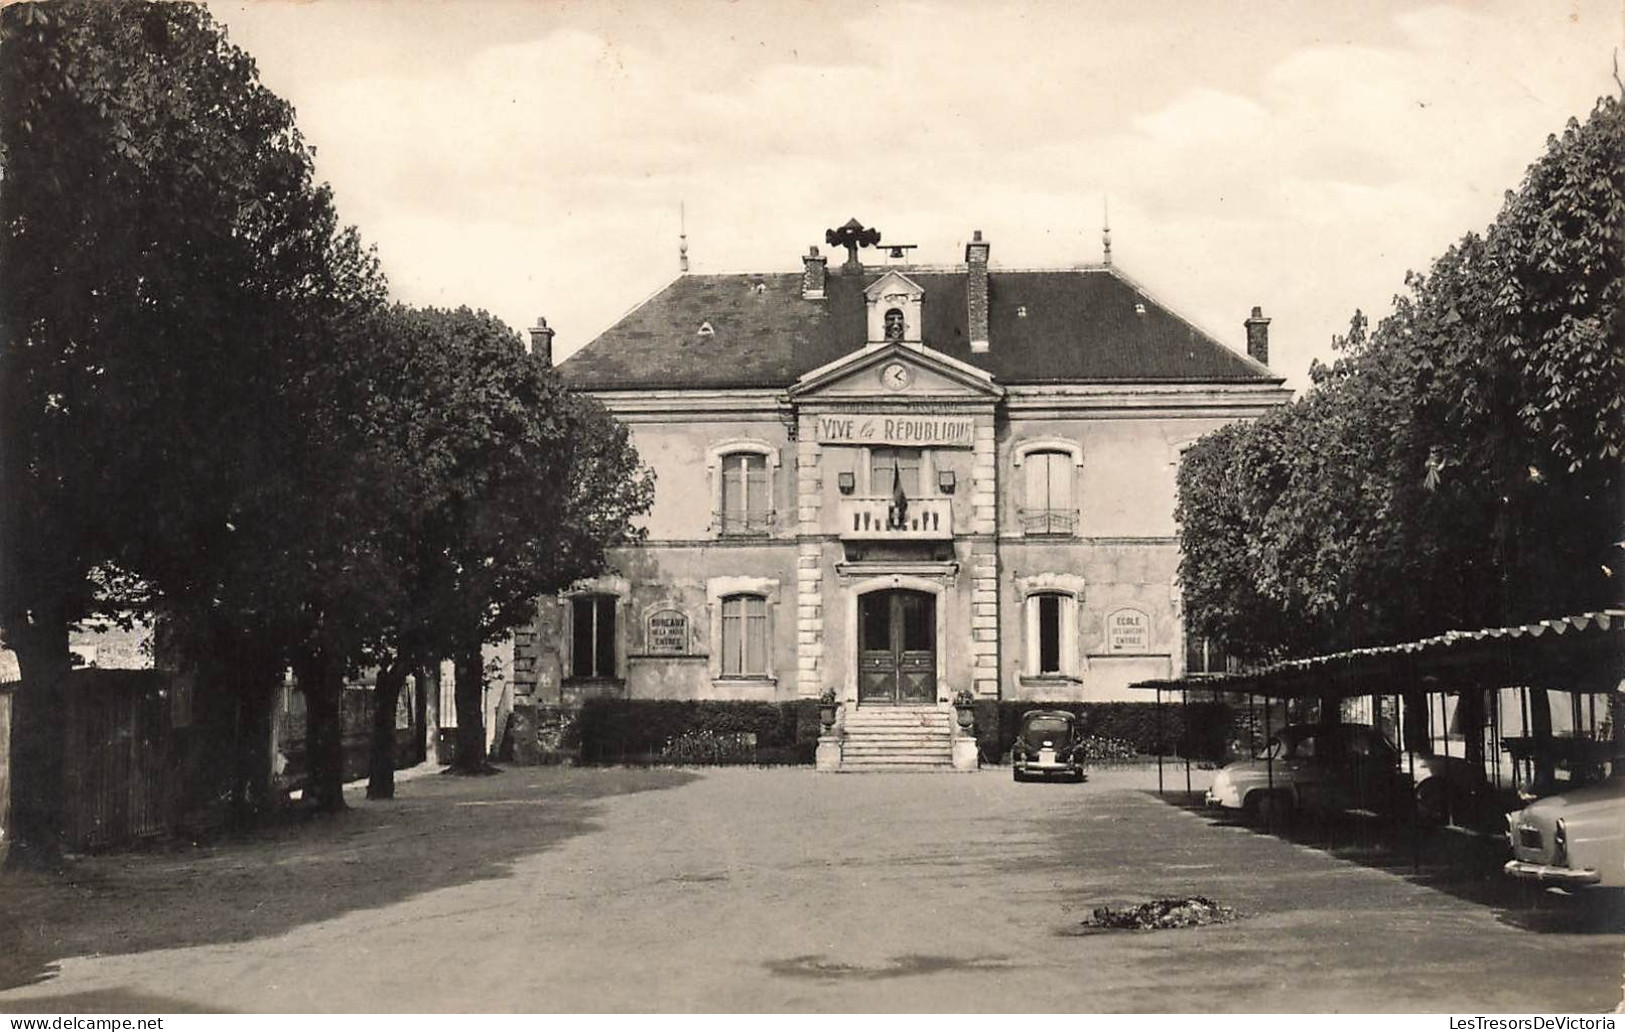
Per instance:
{"type": "Point", "coordinates": [530, 158]}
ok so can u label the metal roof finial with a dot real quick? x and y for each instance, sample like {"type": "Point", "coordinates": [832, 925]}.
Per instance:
{"type": "Point", "coordinates": [1106, 229]}
{"type": "Point", "coordinates": [682, 237]}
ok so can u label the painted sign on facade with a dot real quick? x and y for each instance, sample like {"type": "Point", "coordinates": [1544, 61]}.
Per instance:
{"type": "Point", "coordinates": [900, 429]}
{"type": "Point", "coordinates": [1128, 631]}
{"type": "Point", "coordinates": [668, 632]}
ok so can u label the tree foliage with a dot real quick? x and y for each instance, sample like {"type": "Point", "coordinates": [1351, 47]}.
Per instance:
{"type": "Point", "coordinates": [1458, 465]}
{"type": "Point", "coordinates": [492, 486]}
{"type": "Point", "coordinates": [205, 405]}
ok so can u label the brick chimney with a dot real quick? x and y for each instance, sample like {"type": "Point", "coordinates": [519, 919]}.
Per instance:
{"type": "Point", "coordinates": [814, 269]}
{"type": "Point", "coordinates": [976, 291]}
{"type": "Point", "coordinates": [541, 341]}
{"type": "Point", "coordinates": [1258, 336]}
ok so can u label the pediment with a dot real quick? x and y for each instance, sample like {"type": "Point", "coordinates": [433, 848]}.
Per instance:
{"type": "Point", "coordinates": [894, 284]}
{"type": "Point", "coordinates": [897, 372]}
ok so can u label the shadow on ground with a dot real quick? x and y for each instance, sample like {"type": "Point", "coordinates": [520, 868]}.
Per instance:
{"type": "Point", "coordinates": [122, 1000]}
{"type": "Point", "coordinates": [1462, 863]}
{"type": "Point", "coordinates": [439, 832]}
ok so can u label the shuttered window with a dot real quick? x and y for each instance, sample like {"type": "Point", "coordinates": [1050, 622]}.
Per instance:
{"type": "Point", "coordinates": [744, 636]}
{"type": "Point", "coordinates": [746, 492]}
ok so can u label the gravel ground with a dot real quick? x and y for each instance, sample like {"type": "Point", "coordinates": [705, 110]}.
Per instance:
{"type": "Point", "coordinates": [548, 889]}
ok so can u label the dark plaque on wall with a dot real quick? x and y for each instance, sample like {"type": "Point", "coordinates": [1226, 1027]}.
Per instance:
{"type": "Point", "coordinates": [668, 632]}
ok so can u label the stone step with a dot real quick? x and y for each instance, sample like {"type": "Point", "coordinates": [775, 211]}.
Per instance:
{"type": "Point", "coordinates": [896, 768]}
{"type": "Point", "coordinates": [900, 725]}
{"type": "Point", "coordinates": [852, 748]}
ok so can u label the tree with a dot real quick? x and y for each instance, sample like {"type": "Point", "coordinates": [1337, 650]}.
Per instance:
{"type": "Point", "coordinates": [1455, 467]}
{"type": "Point", "coordinates": [168, 270]}
{"type": "Point", "coordinates": [492, 485]}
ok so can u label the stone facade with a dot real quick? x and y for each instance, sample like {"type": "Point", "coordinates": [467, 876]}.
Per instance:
{"type": "Point", "coordinates": [737, 594]}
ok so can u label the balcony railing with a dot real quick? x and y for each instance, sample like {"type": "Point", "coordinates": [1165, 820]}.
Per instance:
{"type": "Point", "coordinates": [875, 519]}
{"type": "Point", "coordinates": [743, 524]}
{"type": "Point", "coordinates": [1049, 522]}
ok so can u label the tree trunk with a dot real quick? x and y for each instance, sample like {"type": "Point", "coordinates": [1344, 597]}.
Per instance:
{"type": "Point", "coordinates": [321, 680]}
{"type": "Point", "coordinates": [386, 695]}
{"type": "Point", "coordinates": [431, 714]}
{"type": "Point", "coordinates": [420, 716]}
{"type": "Point", "coordinates": [253, 680]}
{"type": "Point", "coordinates": [470, 713]}
{"type": "Point", "coordinates": [39, 726]}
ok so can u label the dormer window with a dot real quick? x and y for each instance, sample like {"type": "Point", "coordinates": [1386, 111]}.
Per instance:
{"type": "Point", "coordinates": [705, 330]}
{"type": "Point", "coordinates": [896, 325]}
{"type": "Point", "coordinates": [894, 310]}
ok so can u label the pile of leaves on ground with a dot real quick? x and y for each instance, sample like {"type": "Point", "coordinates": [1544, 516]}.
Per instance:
{"type": "Point", "coordinates": [1189, 912]}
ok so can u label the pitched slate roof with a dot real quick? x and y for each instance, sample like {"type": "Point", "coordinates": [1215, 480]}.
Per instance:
{"type": "Point", "coordinates": [1080, 325]}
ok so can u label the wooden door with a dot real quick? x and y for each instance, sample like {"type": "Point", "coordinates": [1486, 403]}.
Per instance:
{"type": "Point", "coordinates": [897, 648]}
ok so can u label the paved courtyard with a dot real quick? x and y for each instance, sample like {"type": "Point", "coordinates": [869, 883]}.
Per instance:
{"type": "Point", "coordinates": [551, 889]}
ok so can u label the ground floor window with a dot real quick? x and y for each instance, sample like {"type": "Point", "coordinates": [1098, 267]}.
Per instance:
{"type": "Point", "coordinates": [592, 637]}
{"type": "Point", "coordinates": [1051, 619]}
{"type": "Point", "coordinates": [1205, 655]}
{"type": "Point", "coordinates": [744, 636]}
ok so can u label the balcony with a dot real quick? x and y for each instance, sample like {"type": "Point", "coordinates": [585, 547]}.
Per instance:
{"type": "Point", "coordinates": [1049, 522]}
{"type": "Point", "coordinates": [742, 524]}
{"type": "Point", "coordinates": [870, 519]}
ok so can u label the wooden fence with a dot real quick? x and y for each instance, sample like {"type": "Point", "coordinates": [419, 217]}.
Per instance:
{"type": "Point", "coordinates": [120, 764]}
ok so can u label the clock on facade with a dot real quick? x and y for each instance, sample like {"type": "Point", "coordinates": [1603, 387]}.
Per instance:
{"type": "Point", "coordinates": [895, 376]}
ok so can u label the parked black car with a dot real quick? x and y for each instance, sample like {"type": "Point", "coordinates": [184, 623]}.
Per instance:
{"type": "Point", "coordinates": [1047, 745]}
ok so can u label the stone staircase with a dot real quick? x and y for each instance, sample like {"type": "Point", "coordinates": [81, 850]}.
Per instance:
{"type": "Point", "coordinates": [898, 738]}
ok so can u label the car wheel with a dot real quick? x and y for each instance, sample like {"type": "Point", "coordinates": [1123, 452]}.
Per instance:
{"type": "Point", "coordinates": [1017, 775]}
{"type": "Point", "coordinates": [1432, 802]}
{"type": "Point", "coordinates": [1271, 808]}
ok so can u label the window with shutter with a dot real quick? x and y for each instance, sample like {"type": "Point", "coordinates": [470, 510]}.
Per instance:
{"type": "Point", "coordinates": [1047, 504]}
{"type": "Point", "coordinates": [744, 636]}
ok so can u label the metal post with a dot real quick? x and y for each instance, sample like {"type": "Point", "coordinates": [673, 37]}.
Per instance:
{"type": "Point", "coordinates": [1495, 738]}
{"type": "Point", "coordinates": [1252, 726]}
{"type": "Point", "coordinates": [1269, 764]}
{"type": "Point", "coordinates": [1185, 718]}
{"type": "Point", "coordinates": [1529, 769]}
{"type": "Point", "coordinates": [1159, 741]}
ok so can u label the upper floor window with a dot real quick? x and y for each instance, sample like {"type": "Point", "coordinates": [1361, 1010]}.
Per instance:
{"type": "Point", "coordinates": [744, 636]}
{"type": "Point", "coordinates": [1048, 500]}
{"type": "Point", "coordinates": [592, 637]}
{"type": "Point", "coordinates": [747, 493]}
{"type": "Point", "coordinates": [889, 465]}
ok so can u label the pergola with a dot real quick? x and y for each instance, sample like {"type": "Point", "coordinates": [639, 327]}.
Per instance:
{"type": "Point", "coordinates": [1583, 655]}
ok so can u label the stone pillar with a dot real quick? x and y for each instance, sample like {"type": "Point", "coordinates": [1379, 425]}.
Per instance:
{"type": "Point", "coordinates": [984, 571]}
{"type": "Point", "coordinates": [809, 499]}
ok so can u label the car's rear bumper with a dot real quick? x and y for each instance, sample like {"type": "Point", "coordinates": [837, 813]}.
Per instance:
{"type": "Point", "coordinates": [1545, 874]}
{"type": "Point", "coordinates": [1036, 769]}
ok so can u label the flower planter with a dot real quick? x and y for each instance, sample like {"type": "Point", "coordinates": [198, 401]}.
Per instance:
{"type": "Point", "coordinates": [826, 715]}
{"type": "Point", "coordinates": [967, 718]}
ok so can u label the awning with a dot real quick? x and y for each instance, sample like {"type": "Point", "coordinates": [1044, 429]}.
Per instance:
{"type": "Point", "coordinates": [1580, 653]}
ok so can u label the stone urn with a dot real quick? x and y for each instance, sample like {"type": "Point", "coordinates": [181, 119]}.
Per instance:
{"type": "Point", "coordinates": [965, 711]}
{"type": "Point", "coordinates": [826, 710]}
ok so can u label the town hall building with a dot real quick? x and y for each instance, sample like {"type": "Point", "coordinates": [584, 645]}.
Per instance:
{"type": "Point", "coordinates": [896, 482]}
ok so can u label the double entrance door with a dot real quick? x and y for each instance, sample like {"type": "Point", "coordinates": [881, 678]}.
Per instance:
{"type": "Point", "coordinates": [897, 648]}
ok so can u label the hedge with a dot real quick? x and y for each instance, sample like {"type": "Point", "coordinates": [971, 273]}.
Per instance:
{"type": "Point", "coordinates": [1136, 723]}
{"type": "Point", "coordinates": [662, 730]}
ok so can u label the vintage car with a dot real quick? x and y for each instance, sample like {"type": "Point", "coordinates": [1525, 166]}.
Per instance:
{"type": "Point", "coordinates": [1575, 840]}
{"type": "Point", "coordinates": [1047, 745]}
{"type": "Point", "coordinates": [1335, 767]}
